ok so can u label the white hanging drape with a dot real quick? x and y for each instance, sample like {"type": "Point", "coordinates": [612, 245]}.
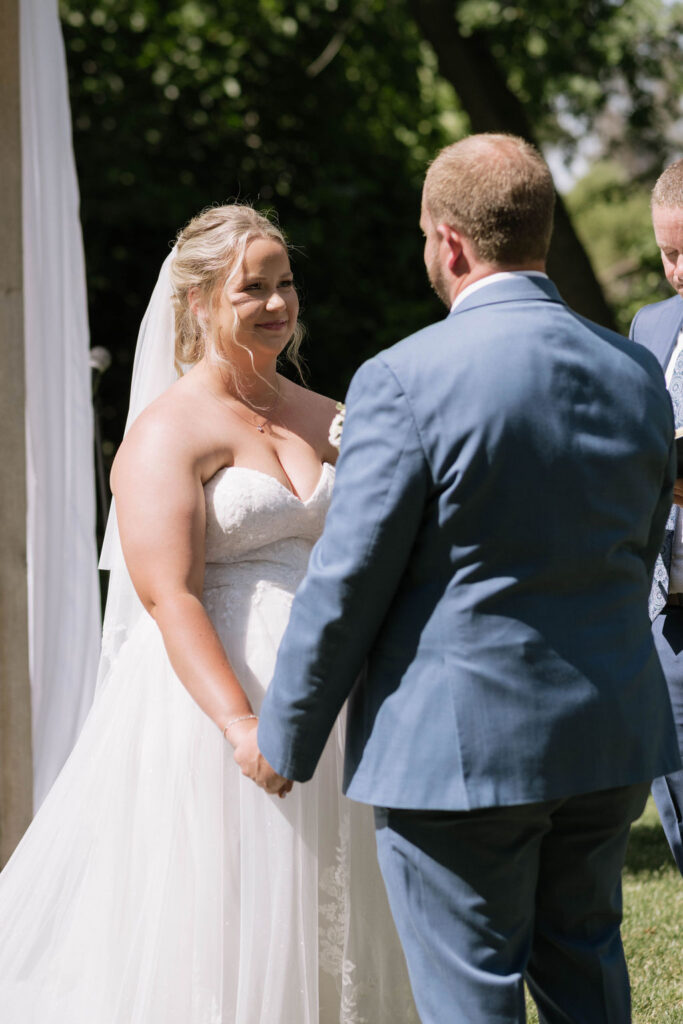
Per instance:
{"type": "Point", "coordinates": [64, 618]}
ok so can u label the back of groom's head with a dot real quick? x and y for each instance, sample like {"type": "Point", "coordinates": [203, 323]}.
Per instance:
{"type": "Point", "coordinates": [496, 190]}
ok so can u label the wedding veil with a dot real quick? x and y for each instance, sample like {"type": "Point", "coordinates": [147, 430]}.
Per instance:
{"type": "Point", "coordinates": [153, 372]}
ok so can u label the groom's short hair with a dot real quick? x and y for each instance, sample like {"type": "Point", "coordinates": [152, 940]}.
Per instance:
{"type": "Point", "coordinates": [497, 190]}
{"type": "Point", "coordinates": [668, 190]}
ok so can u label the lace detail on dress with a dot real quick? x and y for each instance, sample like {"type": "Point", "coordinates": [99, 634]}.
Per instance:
{"type": "Point", "coordinates": [335, 882]}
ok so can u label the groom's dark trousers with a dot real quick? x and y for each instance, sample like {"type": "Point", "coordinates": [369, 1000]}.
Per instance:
{"type": "Point", "coordinates": [480, 595]}
{"type": "Point", "coordinates": [465, 881]}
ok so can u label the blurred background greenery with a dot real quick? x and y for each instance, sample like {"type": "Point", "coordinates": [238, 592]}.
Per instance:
{"type": "Point", "coordinates": [327, 112]}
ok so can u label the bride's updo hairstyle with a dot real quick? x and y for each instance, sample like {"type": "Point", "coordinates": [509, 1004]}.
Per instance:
{"type": "Point", "coordinates": [210, 252]}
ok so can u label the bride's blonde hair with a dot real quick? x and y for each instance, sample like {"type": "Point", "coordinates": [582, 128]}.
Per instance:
{"type": "Point", "coordinates": [209, 254]}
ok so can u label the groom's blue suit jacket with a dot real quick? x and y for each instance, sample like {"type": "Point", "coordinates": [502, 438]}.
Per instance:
{"type": "Point", "coordinates": [480, 588]}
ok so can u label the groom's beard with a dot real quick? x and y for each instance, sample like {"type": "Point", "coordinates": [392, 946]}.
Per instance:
{"type": "Point", "coordinates": [437, 279]}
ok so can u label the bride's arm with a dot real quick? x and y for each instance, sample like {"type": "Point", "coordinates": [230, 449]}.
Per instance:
{"type": "Point", "coordinates": [161, 516]}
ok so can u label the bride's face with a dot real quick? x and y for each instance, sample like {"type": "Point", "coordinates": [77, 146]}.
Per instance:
{"type": "Point", "coordinates": [258, 308]}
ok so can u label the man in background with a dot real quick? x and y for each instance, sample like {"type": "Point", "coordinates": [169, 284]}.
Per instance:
{"type": "Point", "coordinates": [660, 328]}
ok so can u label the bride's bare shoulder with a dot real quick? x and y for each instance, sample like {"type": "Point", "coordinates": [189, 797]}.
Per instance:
{"type": "Point", "coordinates": [313, 402]}
{"type": "Point", "coordinates": [316, 411]}
{"type": "Point", "coordinates": [167, 434]}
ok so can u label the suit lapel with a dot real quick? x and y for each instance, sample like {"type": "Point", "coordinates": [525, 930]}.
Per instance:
{"type": "Point", "coordinates": [663, 334]}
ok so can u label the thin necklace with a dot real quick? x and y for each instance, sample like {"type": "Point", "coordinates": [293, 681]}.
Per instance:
{"type": "Point", "coordinates": [259, 426]}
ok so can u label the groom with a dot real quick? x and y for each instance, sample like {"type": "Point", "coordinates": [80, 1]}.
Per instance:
{"type": "Point", "coordinates": [480, 596]}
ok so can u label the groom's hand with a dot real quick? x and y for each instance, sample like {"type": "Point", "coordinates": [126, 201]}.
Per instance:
{"type": "Point", "coordinates": [253, 764]}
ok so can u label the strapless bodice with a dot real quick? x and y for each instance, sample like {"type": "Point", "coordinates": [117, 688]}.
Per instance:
{"type": "Point", "coordinates": [252, 520]}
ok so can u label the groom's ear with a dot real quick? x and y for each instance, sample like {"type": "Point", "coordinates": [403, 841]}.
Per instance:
{"type": "Point", "coordinates": [452, 243]}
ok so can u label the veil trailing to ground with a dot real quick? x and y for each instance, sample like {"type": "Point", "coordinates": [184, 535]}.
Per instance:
{"type": "Point", "coordinates": [153, 372]}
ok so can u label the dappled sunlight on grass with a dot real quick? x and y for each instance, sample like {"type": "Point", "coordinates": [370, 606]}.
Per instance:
{"type": "Point", "coordinates": [653, 924]}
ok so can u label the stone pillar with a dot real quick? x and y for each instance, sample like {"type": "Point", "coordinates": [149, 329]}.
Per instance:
{"type": "Point", "coordinates": [15, 695]}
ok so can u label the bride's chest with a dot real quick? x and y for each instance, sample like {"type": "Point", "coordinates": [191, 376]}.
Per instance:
{"type": "Point", "coordinates": [246, 510]}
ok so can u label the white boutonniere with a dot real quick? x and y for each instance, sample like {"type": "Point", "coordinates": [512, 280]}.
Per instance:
{"type": "Point", "coordinates": [337, 425]}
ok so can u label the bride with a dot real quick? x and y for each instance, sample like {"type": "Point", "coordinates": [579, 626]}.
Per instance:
{"type": "Point", "coordinates": [157, 885]}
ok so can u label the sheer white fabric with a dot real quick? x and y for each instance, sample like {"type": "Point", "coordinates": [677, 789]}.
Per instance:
{"type": "Point", "coordinates": [157, 885]}
{"type": "Point", "coordinates": [64, 617]}
{"type": "Point", "coordinates": [153, 372]}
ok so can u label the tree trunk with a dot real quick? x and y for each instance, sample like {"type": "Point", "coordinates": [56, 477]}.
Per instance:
{"type": "Point", "coordinates": [467, 63]}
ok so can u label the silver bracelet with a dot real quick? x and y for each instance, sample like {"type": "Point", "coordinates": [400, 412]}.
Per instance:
{"type": "Point", "coordinates": [234, 721]}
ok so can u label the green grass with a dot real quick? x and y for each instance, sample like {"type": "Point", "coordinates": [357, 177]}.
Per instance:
{"type": "Point", "coordinates": [653, 926]}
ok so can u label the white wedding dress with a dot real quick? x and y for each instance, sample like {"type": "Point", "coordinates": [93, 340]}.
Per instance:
{"type": "Point", "coordinates": [156, 884]}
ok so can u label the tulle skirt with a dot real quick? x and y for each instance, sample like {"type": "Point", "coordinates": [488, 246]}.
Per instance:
{"type": "Point", "coordinates": [157, 886]}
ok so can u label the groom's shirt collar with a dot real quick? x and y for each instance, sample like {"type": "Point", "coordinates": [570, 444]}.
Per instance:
{"type": "Point", "coordinates": [502, 275]}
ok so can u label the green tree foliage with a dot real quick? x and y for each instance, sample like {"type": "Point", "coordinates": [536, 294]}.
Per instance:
{"type": "Point", "coordinates": [556, 73]}
{"type": "Point", "coordinates": [327, 111]}
{"type": "Point", "coordinates": [311, 110]}
{"type": "Point", "coordinates": [612, 218]}
{"type": "Point", "coordinates": [570, 61]}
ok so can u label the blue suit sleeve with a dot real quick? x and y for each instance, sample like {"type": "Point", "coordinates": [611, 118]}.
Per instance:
{"type": "Point", "coordinates": [355, 569]}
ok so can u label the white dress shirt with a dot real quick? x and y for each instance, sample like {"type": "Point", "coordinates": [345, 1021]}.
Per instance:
{"type": "Point", "coordinates": [501, 275]}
